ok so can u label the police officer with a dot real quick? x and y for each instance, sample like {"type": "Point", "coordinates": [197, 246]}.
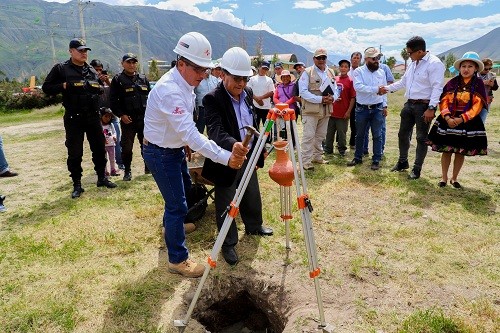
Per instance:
{"type": "Point", "coordinates": [128, 95]}
{"type": "Point", "coordinates": [80, 87]}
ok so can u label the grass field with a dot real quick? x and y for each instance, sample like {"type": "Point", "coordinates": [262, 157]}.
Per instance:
{"type": "Point", "coordinates": [396, 255]}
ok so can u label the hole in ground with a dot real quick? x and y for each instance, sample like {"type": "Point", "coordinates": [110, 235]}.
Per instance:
{"type": "Point", "coordinates": [237, 314]}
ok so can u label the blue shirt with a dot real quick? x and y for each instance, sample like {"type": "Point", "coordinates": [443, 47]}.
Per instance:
{"type": "Point", "coordinates": [205, 86]}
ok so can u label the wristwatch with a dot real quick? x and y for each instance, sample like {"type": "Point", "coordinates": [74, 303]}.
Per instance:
{"type": "Point", "coordinates": [431, 107]}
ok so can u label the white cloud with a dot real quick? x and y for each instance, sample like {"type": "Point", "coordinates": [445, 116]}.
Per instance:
{"type": "Point", "coordinates": [307, 4]}
{"type": "Point", "coordinates": [440, 4]}
{"type": "Point", "coordinates": [379, 16]}
{"type": "Point", "coordinates": [399, 1]}
{"type": "Point", "coordinates": [339, 5]}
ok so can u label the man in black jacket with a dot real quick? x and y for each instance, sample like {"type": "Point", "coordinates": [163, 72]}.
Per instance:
{"type": "Point", "coordinates": [228, 109]}
{"type": "Point", "coordinates": [80, 87]}
{"type": "Point", "coordinates": [128, 96]}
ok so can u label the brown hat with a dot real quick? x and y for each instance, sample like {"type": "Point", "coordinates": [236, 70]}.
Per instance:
{"type": "Point", "coordinates": [320, 52]}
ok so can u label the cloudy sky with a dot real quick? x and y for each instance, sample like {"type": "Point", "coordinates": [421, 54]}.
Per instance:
{"type": "Point", "coordinates": [348, 25]}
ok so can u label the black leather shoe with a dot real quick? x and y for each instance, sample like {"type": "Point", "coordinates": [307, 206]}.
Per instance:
{"type": "Point", "coordinates": [77, 192]}
{"type": "Point", "coordinates": [400, 166]}
{"type": "Point", "coordinates": [230, 255]}
{"type": "Point", "coordinates": [414, 174]}
{"type": "Point", "coordinates": [354, 162]}
{"type": "Point", "coordinates": [8, 173]}
{"type": "Point", "coordinates": [262, 231]}
{"type": "Point", "coordinates": [127, 176]}
{"type": "Point", "coordinates": [105, 182]}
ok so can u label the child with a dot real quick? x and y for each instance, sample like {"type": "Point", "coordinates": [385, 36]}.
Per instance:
{"type": "Point", "coordinates": [459, 129]}
{"type": "Point", "coordinates": [110, 137]}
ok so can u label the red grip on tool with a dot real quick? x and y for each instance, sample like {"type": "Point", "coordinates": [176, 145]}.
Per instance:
{"type": "Point", "coordinates": [301, 201]}
{"type": "Point", "coordinates": [314, 273]}
{"type": "Point", "coordinates": [233, 211]}
{"type": "Point", "coordinates": [286, 217]}
{"type": "Point", "coordinates": [211, 263]}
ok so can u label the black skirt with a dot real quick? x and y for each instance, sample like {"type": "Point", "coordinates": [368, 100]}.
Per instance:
{"type": "Point", "coordinates": [467, 138]}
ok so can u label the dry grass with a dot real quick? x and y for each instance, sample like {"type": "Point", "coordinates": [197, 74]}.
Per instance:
{"type": "Point", "coordinates": [390, 249]}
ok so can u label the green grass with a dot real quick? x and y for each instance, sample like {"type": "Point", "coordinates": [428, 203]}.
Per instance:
{"type": "Point", "coordinates": [432, 321]}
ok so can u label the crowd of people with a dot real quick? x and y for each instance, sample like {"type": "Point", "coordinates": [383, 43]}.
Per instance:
{"type": "Point", "coordinates": [204, 106]}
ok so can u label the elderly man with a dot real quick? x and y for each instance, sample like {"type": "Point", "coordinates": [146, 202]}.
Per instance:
{"type": "Point", "coordinates": [228, 110]}
{"type": "Point", "coordinates": [318, 90]}
{"type": "Point", "coordinates": [168, 128]}
{"type": "Point", "coordinates": [371, 106]}
{"type": "Point", "coordinates": [423, 81]}
{"type": "Point", "coordinates": [80, 87]}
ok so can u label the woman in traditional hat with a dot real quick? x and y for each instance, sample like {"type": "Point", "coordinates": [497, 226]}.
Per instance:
{"type": "Point", "coordinates": [459, 129]}
{"type": "Point", "coordinates": [284, 94]}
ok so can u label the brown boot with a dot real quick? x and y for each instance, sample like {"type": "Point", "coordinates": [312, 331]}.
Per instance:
{"type": "Point", "coordinates": [187, 268]}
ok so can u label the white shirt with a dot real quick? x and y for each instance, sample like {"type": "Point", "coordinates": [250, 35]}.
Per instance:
{"type": "Point", "coordinates": [367, 83]}
{"type": "Point", "coordinates": [261, 85]}
{"type": "Point", "coordinates": [168, 121]}
{"type": "Point", "coordinates": [304, 86]}
{"type": "Point", "coordinates": [422, 81]}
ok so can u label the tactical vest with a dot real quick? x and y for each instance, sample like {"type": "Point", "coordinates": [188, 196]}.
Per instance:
{"type": "Point", "coordinates": [314, 109]}
{"type": "Point", "coordinates": [82, 89]}
{"type": "Point", "coordinates": [133, 94]}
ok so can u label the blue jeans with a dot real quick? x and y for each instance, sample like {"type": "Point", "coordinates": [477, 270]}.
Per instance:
{"type": "Point", "coordinates": [4, 166]}
{"type": "Point", "coordinates": [483, 114]}
{"type": "Point", "coordinates": [367, 140]}
{"type": "Point", "coordinates": [118, 148]}
{"type": "Point", "coordinates": [170, 171]}
{"type": "Point", "coordinates": [366, 118]}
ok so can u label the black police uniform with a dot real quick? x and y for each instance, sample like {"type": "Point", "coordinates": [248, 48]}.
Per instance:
{"type": "Point", "coordinates": [81, 102]}
{"type": "Point", "coordinates": [128, 96]}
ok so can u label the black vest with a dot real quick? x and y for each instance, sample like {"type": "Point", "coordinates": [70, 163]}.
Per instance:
{"type": "Point", "coordinates": [134, 92]}
{"type": "Point", "coordinates": [82, 88]}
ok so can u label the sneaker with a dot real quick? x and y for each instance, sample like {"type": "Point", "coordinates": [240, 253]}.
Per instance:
{"type": "Point", "coordinates": [105, 182]}
{"type": "Point", "coordinates": [127, 176]}
{"type": "Point", "coordinates": [414, 174]}
{"type": "Point", "coordinates": [400, 166]}
{"type": "Point", "coordinates": [354, 162]}
{"type": "Point", "coordinates": [189, 228]}
{"type": "Point", "coordinates": [121, 166]}
{"type": "Point", "coordinates": [321, 161]}
{"type": "Point", "coordinates": [187, 268]}
{"type": "Point", "coordinates": [308, 166]}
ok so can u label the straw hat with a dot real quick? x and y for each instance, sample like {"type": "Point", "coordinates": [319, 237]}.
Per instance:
{"type": "Point", "coordinates": [285, 72]}
{"type": "Point", "coordinates": [470, 56]}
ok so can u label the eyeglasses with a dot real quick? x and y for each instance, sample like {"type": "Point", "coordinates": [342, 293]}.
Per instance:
{"type": "Point", "coordinates": [377, 57]}
{"type": "Point", "coordinates": [197, 69]}
{"type": "Point", "coordinates": [238, 78]}
{"type": "Point", "coordinates": [487, 68]}
{"type": "Point", "coordinates": [321, 57]}
{"type": "Point", "coordinates": [410, 52]}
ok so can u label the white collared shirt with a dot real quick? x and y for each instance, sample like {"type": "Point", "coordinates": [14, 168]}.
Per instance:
{"type": "Point", "coordinates": [261, 85]}
{"type": "Point", "coordinates": [304, 86]}
{"type": "Point", "coordinates": [367, 83]}
{"type": "Point", "coordinates": [168, 121]}
{"type": "Point", "coordinates": [422, 81]}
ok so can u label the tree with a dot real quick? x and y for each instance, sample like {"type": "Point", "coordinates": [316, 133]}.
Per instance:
{"type": "Point", "coordinates": [405, 55]}
{"type": "Point", "coordinates": [259, 56]}
{"type": "Point", "coordinates": [154, 74]}
{"type": "Point", "coordinates": [449, 61]}
{"type": "Point", "coordinates": [391, 61]}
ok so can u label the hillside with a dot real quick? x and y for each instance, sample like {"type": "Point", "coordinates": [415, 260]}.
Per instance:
{"type": "Point", "coordinates": [26, 27]}
{"type": "Point", "coordinates": [486, 46]}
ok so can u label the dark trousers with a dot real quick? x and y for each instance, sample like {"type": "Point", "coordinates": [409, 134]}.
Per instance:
{"type": "Point", "coordinates": [412, 115]}
{"type": "Point", "coordinates": [250, 206]}
{"type": "Point", "coordinates": [127, 140]}
{"type": "Point", "coordinates": [76, 126]}
{"type": "Point", "coordinates": [200, 119]}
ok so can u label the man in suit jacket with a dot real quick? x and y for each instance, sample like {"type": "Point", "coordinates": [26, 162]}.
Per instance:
{"type": "Point", "coordinates": [228, 109]}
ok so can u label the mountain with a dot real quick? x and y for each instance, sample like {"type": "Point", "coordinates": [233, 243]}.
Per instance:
{"type": "Point", "coordinates": [26, 28]}
{"type": "Point", "coordinates": [486, 46]}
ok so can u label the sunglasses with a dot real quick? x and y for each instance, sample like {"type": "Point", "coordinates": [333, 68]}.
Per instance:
{"type": "Point", "coordinates": [238, 78]}
{"type": "Point", "coordinates": [487, 68]}
{"type": "Point", "coordinates": [377, 57]}
{"type": "Point", "coordinates": [321, 57]}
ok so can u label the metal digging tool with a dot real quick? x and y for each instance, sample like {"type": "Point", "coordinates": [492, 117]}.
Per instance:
{"type": "Point", "coordinates": [231, 213]}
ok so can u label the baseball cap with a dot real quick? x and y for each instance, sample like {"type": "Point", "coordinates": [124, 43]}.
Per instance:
{"type": "Point", "coordinates": [372, 52]}
{"type": "Point", "coordinates": [265, 64]}
{"type": "Point", "coordinates": [320, 52]}
{"type": "Point", "coordinates": [345, 61]}
{"type": "Point", "coordinates": [129, 56]}
{"type": "Point", "coordinates": [79, 44]}
{"type": "Point", "coordinates": [300, 63]}
{"type": "Point", "coordinates": [278, 64]}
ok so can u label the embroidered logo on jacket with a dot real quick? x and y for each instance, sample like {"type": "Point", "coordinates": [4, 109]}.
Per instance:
{"type": "Point", "coordinates": [178, 110]}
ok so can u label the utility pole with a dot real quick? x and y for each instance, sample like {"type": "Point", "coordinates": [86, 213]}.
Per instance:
{"type": "Point", "coordinates": [53, 48]}
{"type": "Point", "coordinates": [81, 6]}
{"type": "Point", "coordinates": [141, 70]}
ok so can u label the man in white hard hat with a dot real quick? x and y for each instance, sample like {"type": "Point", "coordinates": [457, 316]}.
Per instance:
{"type": "Point", "coordinates": [228, 110]}
{"type": "Point", "coordinates": [169, 132]}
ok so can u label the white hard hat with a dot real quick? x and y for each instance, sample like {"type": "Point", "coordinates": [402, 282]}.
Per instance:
{"type": "Point", "coordinates": [196, 48]}
{"type": "Point", "coordinates": [237, 62]}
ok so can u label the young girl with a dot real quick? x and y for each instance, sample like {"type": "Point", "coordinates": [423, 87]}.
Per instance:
{"type": "Point", "coordinates": [459, 129]}
{"type": "Point", "coordinates": [110, 137]}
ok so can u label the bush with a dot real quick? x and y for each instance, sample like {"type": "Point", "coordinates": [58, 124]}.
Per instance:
{"type": "Point", "coordinates": [30, 100]}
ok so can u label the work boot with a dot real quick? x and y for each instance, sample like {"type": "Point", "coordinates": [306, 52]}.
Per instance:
{"type": "Point", "coordinates": [400, 166]}
{"type": "Point", "coordinates": [105, 182]}
{"type": "Point", "coordinates": [77, 189]}
{"type": "Point", "coordinates": [187, 268]}
{"type": "Point", "coordinates": [127, 176]}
